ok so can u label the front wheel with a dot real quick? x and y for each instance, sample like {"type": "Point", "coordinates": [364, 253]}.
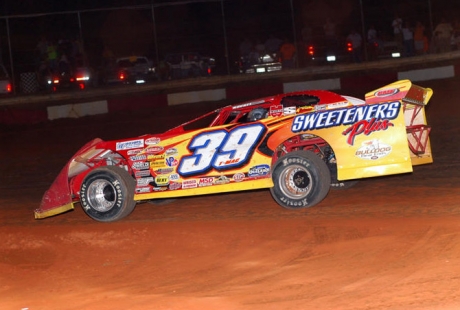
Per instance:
{"type": "Point", "coordinates": [301, 179]}
{"type": "Point", "coordinates": [107, 194]}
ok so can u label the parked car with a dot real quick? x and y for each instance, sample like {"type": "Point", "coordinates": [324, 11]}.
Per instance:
{"type": "Point", "coordinates": [264, 63]}
{"type": "Point", "coordinates": [297, 144]}
{"type": "Point", "coordinates": [6, 86]}
{"type": "Point", "coordinates": [190, 64]}
{"type": "Point", "coordinates": [321, 51]}
{"type": "Point", "coordinates": [129, 70]}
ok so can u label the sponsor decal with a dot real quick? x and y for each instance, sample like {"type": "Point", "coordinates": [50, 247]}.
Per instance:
{"type": "Point", "coordinates": [228, 162]}
{"type": "Point", "coordinates": [171, 161]}
{"type": "Point", "coordinates": [365, 119]}
{"type": "Point", "coordinates": [175, 185]}
{"type": "Point", "coordinates": [189, 184]}
{"type": "Point", "coordinates": [276, 110]}
{"type": "Point", "coordinates": [160, 189]}
{"type": "Point", "coordinates": [134, 152]}
{"type": "Point", "coordinates": [320, 107]}
{"type": "Point", "coordinates": [222, 180]}
{"type": "Point", "coordinates": [305, 109]}
{"type": "Point", "coordinates": [127, 145]}
{"type": "Point", "coordinates": [157, 164]}
{"type": "Point", "coordinates": [259, 170]}
{"type": "Point", "coordinates": [155, 157]}
{"type": "Point", "coordinates": [140, 165]}
{"type": "Point", "coordinates": [336, 105]}
{"type": "Point", "coordinates": [154, 149]}
{"type": "Point", "coordinates": [174, 177]}
{"type": "Point", "coordinates": [289, 111]}
{"type": "Point", "coordinates": [138, 157]}
{"type": "Point", "coordinates": [142, 173]}
{"type": "Point", "coordinates": [386, 92]}
{"type": "Point", "coordinates": [205, 181]}
{"type": "Point", "coordinates": [164, 171]}
{"type": "Point", "coordinates": [171, 151]}
{"type": "Point", "coordinates": [373, 150]}
{"type": "Point", "coordinates": [152, 141]}
{"type": "Point", "coordinates": [366, 127]}
{"type": "Point", "coordinates": [144, 181]}
{"type": "Point", "coordinates": [143, 190]}
{"type": "Point", "coordinates": [238, 177]}
{"type": "Point", "coordinates": [162, 180]}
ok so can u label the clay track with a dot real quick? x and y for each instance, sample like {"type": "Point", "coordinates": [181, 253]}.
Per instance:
{"type": "Point", "coordinates": [387, 243]}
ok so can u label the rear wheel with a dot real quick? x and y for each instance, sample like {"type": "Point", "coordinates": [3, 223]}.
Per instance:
{"type": "Point", "coordinates": [107, 193]}
{"type": "Point", "coordinates": [301, 178]}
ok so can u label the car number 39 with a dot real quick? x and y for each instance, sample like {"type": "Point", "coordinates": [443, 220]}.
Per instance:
{"type": "Point", "coordinates": [221, 149]}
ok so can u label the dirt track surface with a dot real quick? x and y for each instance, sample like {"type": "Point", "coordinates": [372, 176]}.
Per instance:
{"type": "Point", "coordinates": [387, 243]}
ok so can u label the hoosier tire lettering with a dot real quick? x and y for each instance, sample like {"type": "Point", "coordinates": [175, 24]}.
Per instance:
{"type": "Point", "coordinates": [107, 193]}
{"type": "Point", "coordinates": [301, 179]}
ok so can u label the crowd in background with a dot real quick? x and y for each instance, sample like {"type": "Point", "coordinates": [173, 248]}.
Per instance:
{"type": "Point", "coordinates": [58, 56]}
{"type": "Point", "coordinates": [410, 38]}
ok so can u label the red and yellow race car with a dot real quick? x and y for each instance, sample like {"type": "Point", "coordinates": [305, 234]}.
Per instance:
{"type": "Point", "coordinates": [296, 144]}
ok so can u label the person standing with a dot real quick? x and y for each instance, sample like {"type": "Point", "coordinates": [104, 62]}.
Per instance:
{"type": "Point", "coordinates": [372, 42]}
{"type": "Point", "coordinates": [408, 39]}
{"type": "Point", "coordinates": [287, 54]}
{"type": "Point", "coordinates": [356, 42]}
{"type": "Point", "coordinates": [397, 31]}
{"type": "Point", "coordinates": [419, 42]}
{"type": "Point", "coordinates": [330, 34]}
{"type": "Point", "coordinates": [443, 33]}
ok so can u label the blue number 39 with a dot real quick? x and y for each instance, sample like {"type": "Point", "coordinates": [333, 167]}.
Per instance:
{"type": "Point", "coordinates": [220, 149]}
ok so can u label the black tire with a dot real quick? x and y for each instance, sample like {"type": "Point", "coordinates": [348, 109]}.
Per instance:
{"type": "Point", "coordinates": [302, 179]}
{"type": "Point", "coordinates": [107, 194]}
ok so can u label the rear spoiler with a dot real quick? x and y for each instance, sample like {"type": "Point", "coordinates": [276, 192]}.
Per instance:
{"type": "Point", "coordinates": [401, 90]}
{"type": "Point", "coordinates": [414, 99]}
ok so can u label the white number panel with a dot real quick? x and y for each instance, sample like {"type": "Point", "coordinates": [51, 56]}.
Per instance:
{"type": "Point", "coordinates": [221, 150]}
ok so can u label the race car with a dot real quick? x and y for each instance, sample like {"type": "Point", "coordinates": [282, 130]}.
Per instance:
{"type": "Point", "coordinates": [296, 144]}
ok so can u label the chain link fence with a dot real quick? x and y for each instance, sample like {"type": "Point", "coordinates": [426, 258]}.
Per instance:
{"type": "Point", "coordinates": [211, 27]}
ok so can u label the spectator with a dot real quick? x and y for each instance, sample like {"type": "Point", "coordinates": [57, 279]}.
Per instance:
{"type": "Point", "coordinates": [408, 39]}
{"type": "Point", "coordinates": [287, 54]}
{"type": "Point", "coordinates": [443, 33]}
{"type": "Point", "coordinates": [397, 31]}
{"type": "Point", "coordinates": [260, 48]}
{"type": "Point", "coordinates": [356, 43]}
{"type": "Point", "coordinates": [52, 56]}
{"type": "Point", "coordinates": [42, 48]}
{"type": "Point", "coordinates": [329, 33]}
{"type": "Point", "coordinates": [372, 42]}
{"type": "Point", "coordinates": [419, 41]}
{"type": "Point", "coordinates": [253, 56]}
{"type": "Point", "coordinates": [245, 47]}
{"type": "Point", "coordinates": [457, 34]}
{"type": "Point", "coordinates": [272, 45]}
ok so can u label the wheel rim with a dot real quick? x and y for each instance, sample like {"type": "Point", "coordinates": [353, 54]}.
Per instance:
{"type": "Point", "coordinates": [101, 195]}
{"type": "Point", "coordinates": [295, 182]}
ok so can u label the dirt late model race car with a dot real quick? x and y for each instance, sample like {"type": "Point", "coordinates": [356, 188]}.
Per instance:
{"type": "Point", "coordinates": [297, 144]}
